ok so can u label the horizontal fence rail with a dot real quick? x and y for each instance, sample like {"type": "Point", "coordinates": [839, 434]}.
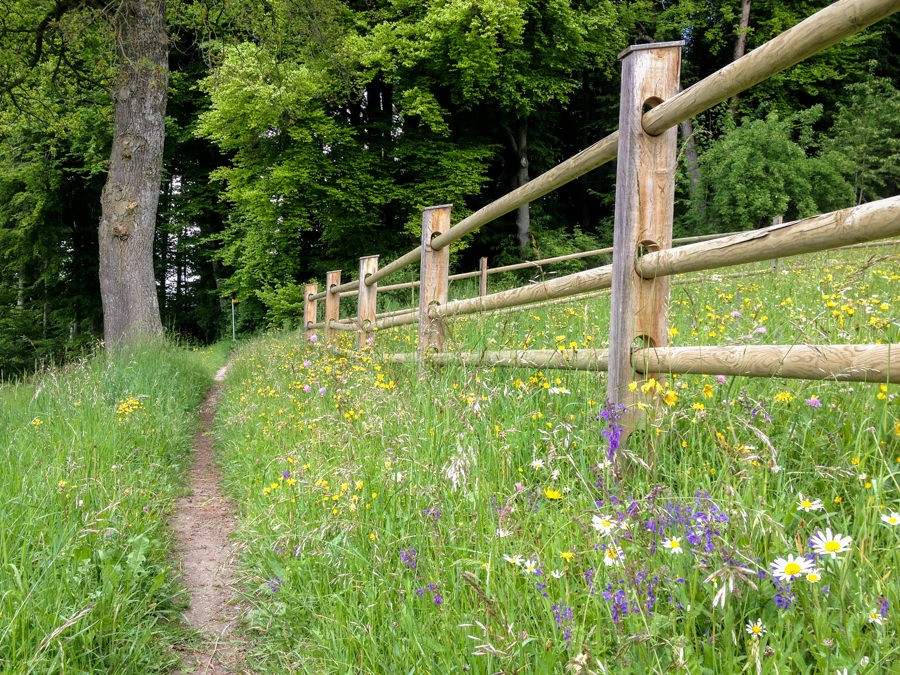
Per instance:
{"type": "Point", "coordinates": [845, 363]}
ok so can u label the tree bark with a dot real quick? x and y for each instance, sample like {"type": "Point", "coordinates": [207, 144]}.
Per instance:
{"type": "Point", "coordinates": [519, 143]}
{"type": "Point", "coordinates": [692, 163]}
{"type": "Point", "coordinates": [131, 194]}
{"type": "Point", "coordinates": [740, 46]}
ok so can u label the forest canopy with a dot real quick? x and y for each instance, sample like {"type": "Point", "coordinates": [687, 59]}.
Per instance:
{"type": "Point", "coordinates": [302, 134]}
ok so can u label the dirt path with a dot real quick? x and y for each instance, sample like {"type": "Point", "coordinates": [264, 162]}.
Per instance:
{"type": "Point", "coordinates": [202, 523]}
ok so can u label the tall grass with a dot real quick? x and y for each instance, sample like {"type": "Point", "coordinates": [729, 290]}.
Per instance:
{"type": "Point", "coordinates": [470, 520]}
{"type": "Point", "coordinates": [91, 457]}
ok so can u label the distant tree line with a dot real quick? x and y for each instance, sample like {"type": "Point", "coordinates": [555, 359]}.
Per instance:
{"type": "Point", "coordinates": [302, 134]}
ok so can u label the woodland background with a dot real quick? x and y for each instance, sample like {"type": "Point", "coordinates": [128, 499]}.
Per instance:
{"type": "Point", "coordinates": [302, 134]}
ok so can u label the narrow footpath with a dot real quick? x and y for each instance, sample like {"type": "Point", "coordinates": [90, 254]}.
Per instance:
{"type": "Point", "coordinates": [202, 523]}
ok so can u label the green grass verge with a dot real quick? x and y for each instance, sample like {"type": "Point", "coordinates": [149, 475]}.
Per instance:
{"type": "Point", "coordinates": [91, 458]}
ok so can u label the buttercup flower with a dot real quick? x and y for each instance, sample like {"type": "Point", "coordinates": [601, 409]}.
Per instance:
{"type": "Point", "coordinates": [827, 543]}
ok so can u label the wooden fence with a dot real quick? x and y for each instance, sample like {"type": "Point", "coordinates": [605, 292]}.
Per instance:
{"type": "Point", "coordinates": [643, 260]}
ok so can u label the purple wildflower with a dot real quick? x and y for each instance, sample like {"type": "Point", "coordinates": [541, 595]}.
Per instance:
{"type": "Point", "coordinates": [784, 596]}
{"type": "Point", "coordinates": [613, 432]}
{"type": "Point", "coordinates": [408, 557]}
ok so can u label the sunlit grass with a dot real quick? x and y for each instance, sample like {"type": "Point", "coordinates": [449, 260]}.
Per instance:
{"type": "Point", "coordinates": [469, 519]}
{"type": "Point", "coordinates": [91, 458]}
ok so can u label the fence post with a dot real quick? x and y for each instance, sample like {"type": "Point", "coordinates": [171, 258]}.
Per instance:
{"type": "Point", "coordinates": [777, 220]}
{"type": "Point", "coordinates": [434, 271]}
{"type": "Point", "coordinates": [366, 299]}
{"type": "Point", "coordinates": [482, 277]}
{"type": "Point", "coordinates": [310, 309]}
{"type": "Point", "coordinates": [645, 194]}
{"type": "Point", "coordinates": [332, 303]}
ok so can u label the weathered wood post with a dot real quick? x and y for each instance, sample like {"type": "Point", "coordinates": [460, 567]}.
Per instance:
{"type": "Point", "coordinates": [434, 271]}
{"type": "Point", "coordinates": [777, 220]}
{"type": "Point", "coordinates": [482, 277]}
{"type": "Point", "coordinates": [332, 303]}
{"type": "Point", "coordinates": [645, 193]}
{"type": "Point", "coordinates": [366, 299]}
{"type": "Point", "coordinates": [310, 309]}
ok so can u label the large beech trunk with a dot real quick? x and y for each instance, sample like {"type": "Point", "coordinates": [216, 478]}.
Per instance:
{"type": "Point", "coordinates": [131, 193]}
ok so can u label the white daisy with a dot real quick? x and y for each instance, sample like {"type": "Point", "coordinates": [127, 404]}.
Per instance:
{"type": "Point", "coordinates": [807, 504]}
{"type": "Point", "coordinates": [787, 569]}
{"type": "Point", "coordinates": [613, 555]}
{"type": "Point", "coordinates": [674, 545]}
{"type": "Point", "coordinates": [603, 524]}
{"type": "Point", "coordinates": [827, 543]}
{"type": "Point", "coordinates": [513, 559]}
{"type": "Point", "coordinates": [756, 628]}
{"type": "Point", "coordinates": [892, 519]}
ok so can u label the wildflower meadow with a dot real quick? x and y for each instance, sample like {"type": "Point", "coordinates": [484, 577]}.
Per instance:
{"type": "Point", "coordinates": [397, 518]}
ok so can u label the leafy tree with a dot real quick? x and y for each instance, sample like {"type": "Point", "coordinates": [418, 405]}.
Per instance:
{"type": "Point", "coordinates": [47, 42]}
{"type": "Point", "coordinates": [865, 139]}
{"type": "Point", "coordinates": [764, 168]}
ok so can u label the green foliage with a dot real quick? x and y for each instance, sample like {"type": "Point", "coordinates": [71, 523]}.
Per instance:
{"type": "Point", "coordinates": [865, 139]}
{"type": "Point", "coordinates": [763, 168]}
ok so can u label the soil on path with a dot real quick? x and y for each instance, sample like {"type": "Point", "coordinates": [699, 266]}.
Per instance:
{"type": "Point", "coordinates": [202, 523]}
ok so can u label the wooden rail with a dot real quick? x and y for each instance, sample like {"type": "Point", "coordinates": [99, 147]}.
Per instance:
{"type": "Point", "coordinates": [845, 363]}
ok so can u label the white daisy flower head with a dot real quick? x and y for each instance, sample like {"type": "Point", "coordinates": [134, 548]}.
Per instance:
{"type": "Point", "coordinates": [807, 504]}
{"type": "Point", "coordinates": [875, 617]}
{"type": "Point", "coordinates": [829, 543]}
{"type": "Point", "coordinates": [612, 556]}
{"type": "Point", "coordinates": [814, 576]}
{"type": "Point", "coordinates": [674, 545]}
{"type": "Point", "coordinates": [892, 519]}
{"type": "Point", "coordinates": [603, 524]}
{"type": "Point", "coordinates": [756, 628]}
{"type": "Point", "coordinates": [513, 559]}
{"type": "Point", "coordinates": [788, 569]}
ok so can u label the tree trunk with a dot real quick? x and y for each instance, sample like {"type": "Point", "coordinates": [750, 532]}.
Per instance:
{"type": "Point", "coordinates": [692, 164]}
{"type": "Point", "coordinates": [131, 194]}
{"type": "Point", "coordinates": [519, 142]}
{"type": "Point", "coordinates": [740, 46]}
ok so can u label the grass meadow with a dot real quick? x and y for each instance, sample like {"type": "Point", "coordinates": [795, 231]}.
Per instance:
{"type": "Point", "coordinates": [91, 459]}
{"type": "Point", "coordinates": [490, 520]}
